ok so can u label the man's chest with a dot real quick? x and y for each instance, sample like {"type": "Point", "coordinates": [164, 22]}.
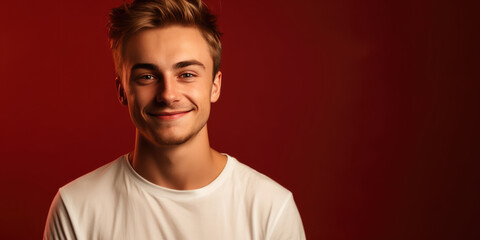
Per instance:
{"type": "Point", "coordinates": [154, 218]}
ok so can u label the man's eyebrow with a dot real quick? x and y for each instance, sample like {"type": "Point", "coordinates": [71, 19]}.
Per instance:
{"type": "Point", "coordinates": [147, 66]}
{"type": "Point", "coordinates": [187, 63]}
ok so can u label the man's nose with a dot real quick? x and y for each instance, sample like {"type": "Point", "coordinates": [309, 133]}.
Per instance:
{"type": "Point", "coordinates": [167, 91]}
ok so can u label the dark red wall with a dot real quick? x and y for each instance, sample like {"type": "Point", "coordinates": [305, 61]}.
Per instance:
{"type": "Point", "coordinates": [366, 110]}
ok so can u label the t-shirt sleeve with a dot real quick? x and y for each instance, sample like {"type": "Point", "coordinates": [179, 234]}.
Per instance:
{"type": "Point", "coordinates": [288, 224]}
{"type": "Point", "coordinates": [59, 224]}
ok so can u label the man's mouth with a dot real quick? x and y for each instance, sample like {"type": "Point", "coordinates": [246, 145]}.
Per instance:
{"type": "Point", "coordinates": [169, 115]}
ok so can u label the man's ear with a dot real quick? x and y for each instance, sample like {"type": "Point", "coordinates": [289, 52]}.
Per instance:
{"type": "Point", "coordinates": [122, 98]}
{"type": "Point", "coordinates": [217, 84]}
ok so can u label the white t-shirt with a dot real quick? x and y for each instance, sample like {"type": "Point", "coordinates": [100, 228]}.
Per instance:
{"type": "Point", "coordinates": [115, 202]}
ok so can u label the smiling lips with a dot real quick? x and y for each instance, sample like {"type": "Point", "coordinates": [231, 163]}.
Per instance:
{"type": "Point", "coordinates": [170, 115]}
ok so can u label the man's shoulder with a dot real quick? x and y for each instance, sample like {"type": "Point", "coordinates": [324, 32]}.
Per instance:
{"type": "Point", "coordinates": [98, 182]}
{"type": "Point", "coordinates": [258, 185]}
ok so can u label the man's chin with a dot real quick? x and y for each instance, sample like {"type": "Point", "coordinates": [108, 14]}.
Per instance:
{"type": "Point", "coordinates": [171, 140]}
{"type": "Point", "coordinates": [170, 136]}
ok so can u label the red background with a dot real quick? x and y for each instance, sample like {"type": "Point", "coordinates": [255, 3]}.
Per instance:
{"type": "Point", "coordinates": [366, 110]}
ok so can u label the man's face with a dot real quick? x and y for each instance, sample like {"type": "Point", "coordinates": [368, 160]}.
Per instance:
{"type": "Point", "coordinates": [167, 83]}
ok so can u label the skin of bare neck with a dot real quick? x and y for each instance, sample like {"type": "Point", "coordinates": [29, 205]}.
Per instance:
{"type": "Point", "coordinates": [191, 165]}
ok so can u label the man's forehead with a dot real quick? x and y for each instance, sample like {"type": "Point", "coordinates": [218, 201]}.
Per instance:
{"type": "Point", "coordinates": [167, 45]}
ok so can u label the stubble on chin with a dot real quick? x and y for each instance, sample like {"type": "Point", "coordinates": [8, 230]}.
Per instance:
{"type": "Point", "coordinates": [172, 141]}
{"type": "Point", "coordinates": [160, 139]}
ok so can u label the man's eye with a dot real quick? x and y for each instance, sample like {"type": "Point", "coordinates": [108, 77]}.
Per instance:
{"type": "Point", "coordinates": [187, 75]}
{"type": "Point", "coordinates": [147, 77]}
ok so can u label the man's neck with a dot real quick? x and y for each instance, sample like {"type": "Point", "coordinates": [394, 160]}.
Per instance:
{"type": "Point", "coordinates": [186, 166]}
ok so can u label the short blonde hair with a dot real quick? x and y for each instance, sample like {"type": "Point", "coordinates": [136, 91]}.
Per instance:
{"type": "Point", "coordinates": [129, 19]}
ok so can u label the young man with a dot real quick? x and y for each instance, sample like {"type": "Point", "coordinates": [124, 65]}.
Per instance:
{"type": "Point", "coordinates": [172, 185]}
